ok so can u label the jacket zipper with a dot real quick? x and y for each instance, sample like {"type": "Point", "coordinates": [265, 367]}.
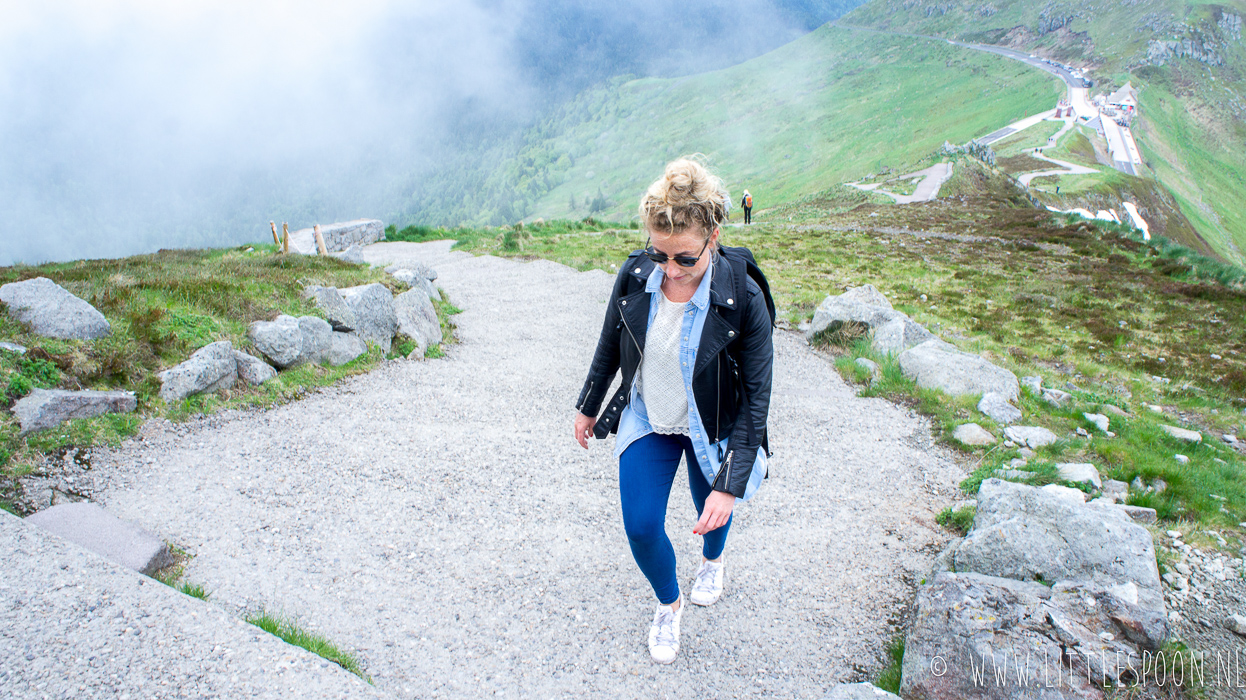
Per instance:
{"type": "Point", "coordinates": [638, 349]}
{"type": "Point", "coordinates": [726, 466]}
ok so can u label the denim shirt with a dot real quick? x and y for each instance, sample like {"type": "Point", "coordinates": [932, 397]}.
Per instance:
{"type": "Point", "coordinates": [634, 420]}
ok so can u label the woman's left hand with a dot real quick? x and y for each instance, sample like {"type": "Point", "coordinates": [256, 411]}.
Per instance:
{"type": "Point", "coordinates": [717, 511]}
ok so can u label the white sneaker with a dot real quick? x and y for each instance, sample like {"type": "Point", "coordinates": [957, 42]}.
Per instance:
{"type": "Point", "coordinates": [664, 634]}
{"type": "Point", "coordinates": [708, 586]}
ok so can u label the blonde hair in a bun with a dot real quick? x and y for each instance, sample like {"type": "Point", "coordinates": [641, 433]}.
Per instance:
{"type": "Point", "coordinates": [687, 196]}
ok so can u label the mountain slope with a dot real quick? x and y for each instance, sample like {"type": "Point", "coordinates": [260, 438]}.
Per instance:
{"type": "Point", "coordinates": [1187, 58]}
{"type": "Point", "coordinates": [831, 106]}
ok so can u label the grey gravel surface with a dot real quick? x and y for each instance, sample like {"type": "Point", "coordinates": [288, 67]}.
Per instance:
{"type": "Point", "coordinates": [436, 517]}
{"type": "Point", "coordinates": [75, 625]}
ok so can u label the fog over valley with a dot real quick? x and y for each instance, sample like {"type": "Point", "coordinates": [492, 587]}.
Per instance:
{"type": "Point", "coordinates": [129, 126]}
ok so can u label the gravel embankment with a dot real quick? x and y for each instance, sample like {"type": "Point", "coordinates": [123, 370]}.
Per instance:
{"type": "Point", "coordinates": [74, 625]}
{"type": "Point", "coordinates": [437, 519]}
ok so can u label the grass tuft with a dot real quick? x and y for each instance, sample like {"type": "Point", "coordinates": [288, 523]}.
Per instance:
{"type": "Point", "coordinates": [291, 633]}
{"type": "Point", "coordinates": [889, 677]}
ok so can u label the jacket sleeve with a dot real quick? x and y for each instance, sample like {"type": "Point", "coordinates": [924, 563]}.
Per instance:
{"type": "Point", "coordinates": [756, 360]}
{"type": "Point", "coordinates": [606, 359]}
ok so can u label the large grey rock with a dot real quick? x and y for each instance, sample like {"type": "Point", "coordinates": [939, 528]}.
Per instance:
{"type": "Point", "coordinates": [339, 236]}
{"type": "Point", "coordinates": [317, 337]}
{"type": "Point", "coordinates": [416, 267]}
{"type": "Point", "coordinates": [858, 691]}
{"type": "Point", "coordinates": [994, 406]}
{"type": "Point", "coordinates": [972, 434]}
{"type": "Point", "coordinates": [1182, 433]}
{"type": "Point", "coordinates": [1028, 534]}
{"type": "Point", "coordinates": [344, 347]}
{"type": "Point", "coordinates": [417, 318]}
{"type": "Point", "coordinates": [353, 254]}
{"type": "Point", "coordinates": [1031, 436]}
{"type": "Point", "coordinates": [210, 368]}
{"type": "Point", "coordinates": [976, 636]}
{"type": "Point", "coordinates": [49, 310]}
{"type": "Point", "coordinates": [330, 301]}
{"type": "Point", "coordinates": [375, 319]}
{"type": "Point", "coordinates": [893, 332]}
{"type": "Point", "coordinates": [937, 365]}
{"type": "Point", "coordinates": [90, 526]}
{"type": "Point", "coordinates": [290, 341]}
{"type": "Point", "coordinates": [252, 369]}
{"type": "Point", "coordinates": [280, 340]}
{"type": "Point", "coordinates": [898, 334]}
{"type": "Point", "coordinates": [42, 409]}
{"type": "Point", "coordinates": [417, 279]}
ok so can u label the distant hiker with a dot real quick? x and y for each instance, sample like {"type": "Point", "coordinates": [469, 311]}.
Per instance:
{"type": "Point", "coordinates": [689, 323]}
{"type": "Point", "coordinates": [746, 203]}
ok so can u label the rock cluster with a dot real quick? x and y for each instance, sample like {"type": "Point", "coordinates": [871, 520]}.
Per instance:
{"type": "Point", "coordinates": [213, 367]}
{"type": "Point", "coordinates": [892, 331]}
{"type": "Point", "coordinates": [1044, 588]}
{"type": "Point", "coordinates": [289, 342]}
{"type": "Point", "coordinates": [372, 313]}
{"type": "Point", "coordinates": [49, 310]}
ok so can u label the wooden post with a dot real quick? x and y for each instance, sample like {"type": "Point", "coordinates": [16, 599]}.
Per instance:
{"type": "Point", "coordinates": [273, 226]}
{"type": "Point", "coordinates": [320, 241]}
{"type": "Point", "coordinates": [285, 237]}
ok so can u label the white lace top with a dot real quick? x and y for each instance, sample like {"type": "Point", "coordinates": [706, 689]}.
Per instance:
{"type": "Point", "coordinates": [661, 377]}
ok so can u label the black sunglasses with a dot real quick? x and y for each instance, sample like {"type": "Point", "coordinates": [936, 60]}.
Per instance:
{"type": "Point", "coordinates": [680, 260]}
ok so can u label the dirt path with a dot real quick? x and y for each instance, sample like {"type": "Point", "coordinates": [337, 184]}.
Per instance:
{"type": "Point", "coordinates": [437, 519]}
{"type": "Point", "coordinates": [932, 179]}
{"type": "Point", "coordinates": [1067, 169]}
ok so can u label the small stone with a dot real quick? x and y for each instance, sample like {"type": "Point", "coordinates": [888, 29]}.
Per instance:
{"type": "Point", "coordinates": [1236, 624]}
{"type": "Point", "coordinates": [1112, 410]}
{"type": "Point", "coordinates": [13, 347]}
{"type": "Point", "coordinates": [1156, 409]}
{"type": "Point", "coordinates": [1182, 458]}
{"type": "Point", "coordinates": [1080, 473]}
{"type": "Point", "coordinates": [1182, 433]}
{"type": "Point", "coordinates": [996, 407]}
{"type": "Point", "coordinates": [1140, 514]}
{"type": "Point", "coordinates": [972, 434]}
{"type": "Point", "coordinates": [1159, 485]}
{"type": "Point", "coordinates": [1137, 484]}
{"type": "Point", "coordinates": [1182, 568]}
{"type": "Point", "coordinates": [1056, 397]}
{"type": "Point", "coordinates": [1082, 432]}
{"type": "Point", "coordinates": [870, 366]}
{"type": "Point", "coordinates": [1034, 384]}
{"type": "Point", "coordinates": [1110, 434]}
{"type": "Point", "coordinates": [1229, 438]}
{"type": "Point", "coordinates": [1175, 534]}
{"type": "Point", "coordinates": [1031, 436]}
{"type": "Point", "coordinates": [1026, 453]}
{"type": "Point", "coordinates": [1099, 420]}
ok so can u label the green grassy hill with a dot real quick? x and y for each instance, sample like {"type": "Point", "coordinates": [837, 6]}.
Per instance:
{"type": "Point", "coordinates": [830, 107]}
{"type": "Point", "coordinates": [1187, 57]}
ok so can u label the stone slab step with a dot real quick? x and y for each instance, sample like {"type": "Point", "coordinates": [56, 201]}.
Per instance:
{"type": "Point", "coordinates": [88, 525]}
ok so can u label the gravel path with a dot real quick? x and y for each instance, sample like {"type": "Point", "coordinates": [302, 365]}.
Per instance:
{"type": "Point", "coordinates": [437, 519]}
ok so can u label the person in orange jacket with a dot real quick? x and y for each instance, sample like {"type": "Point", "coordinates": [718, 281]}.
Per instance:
{"type": "Point", "coordinates": [747, 204]}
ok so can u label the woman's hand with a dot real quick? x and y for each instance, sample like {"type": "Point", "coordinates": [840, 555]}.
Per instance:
{"type": "Point", "coordinates": [584, 429]}
{"type": "Point", "coordinates": [718, 506]}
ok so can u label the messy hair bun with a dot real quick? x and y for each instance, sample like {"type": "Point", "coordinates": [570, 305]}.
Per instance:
{"type": "Point", "coordinates": [686, 196]}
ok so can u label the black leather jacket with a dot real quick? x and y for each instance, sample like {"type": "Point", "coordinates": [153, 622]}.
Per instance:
{"type": "Point", "coordinates": [725, 364]}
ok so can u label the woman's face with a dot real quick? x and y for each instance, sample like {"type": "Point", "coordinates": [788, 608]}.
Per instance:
{"type": "Point", "coordinates": [689, 243]}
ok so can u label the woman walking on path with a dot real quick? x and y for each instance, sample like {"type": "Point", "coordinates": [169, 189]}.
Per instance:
{"type": "Point", "coordinates": [691, 331]}
{"type": "Point", "coordinates": [746, 203]}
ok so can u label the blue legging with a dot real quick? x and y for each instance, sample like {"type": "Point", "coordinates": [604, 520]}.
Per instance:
{"type": "Point", "coordinates": [646, 471]}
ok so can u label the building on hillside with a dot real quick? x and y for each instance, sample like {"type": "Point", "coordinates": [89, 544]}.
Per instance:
{"type": "Point", "coordinates": [1124, 99]}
